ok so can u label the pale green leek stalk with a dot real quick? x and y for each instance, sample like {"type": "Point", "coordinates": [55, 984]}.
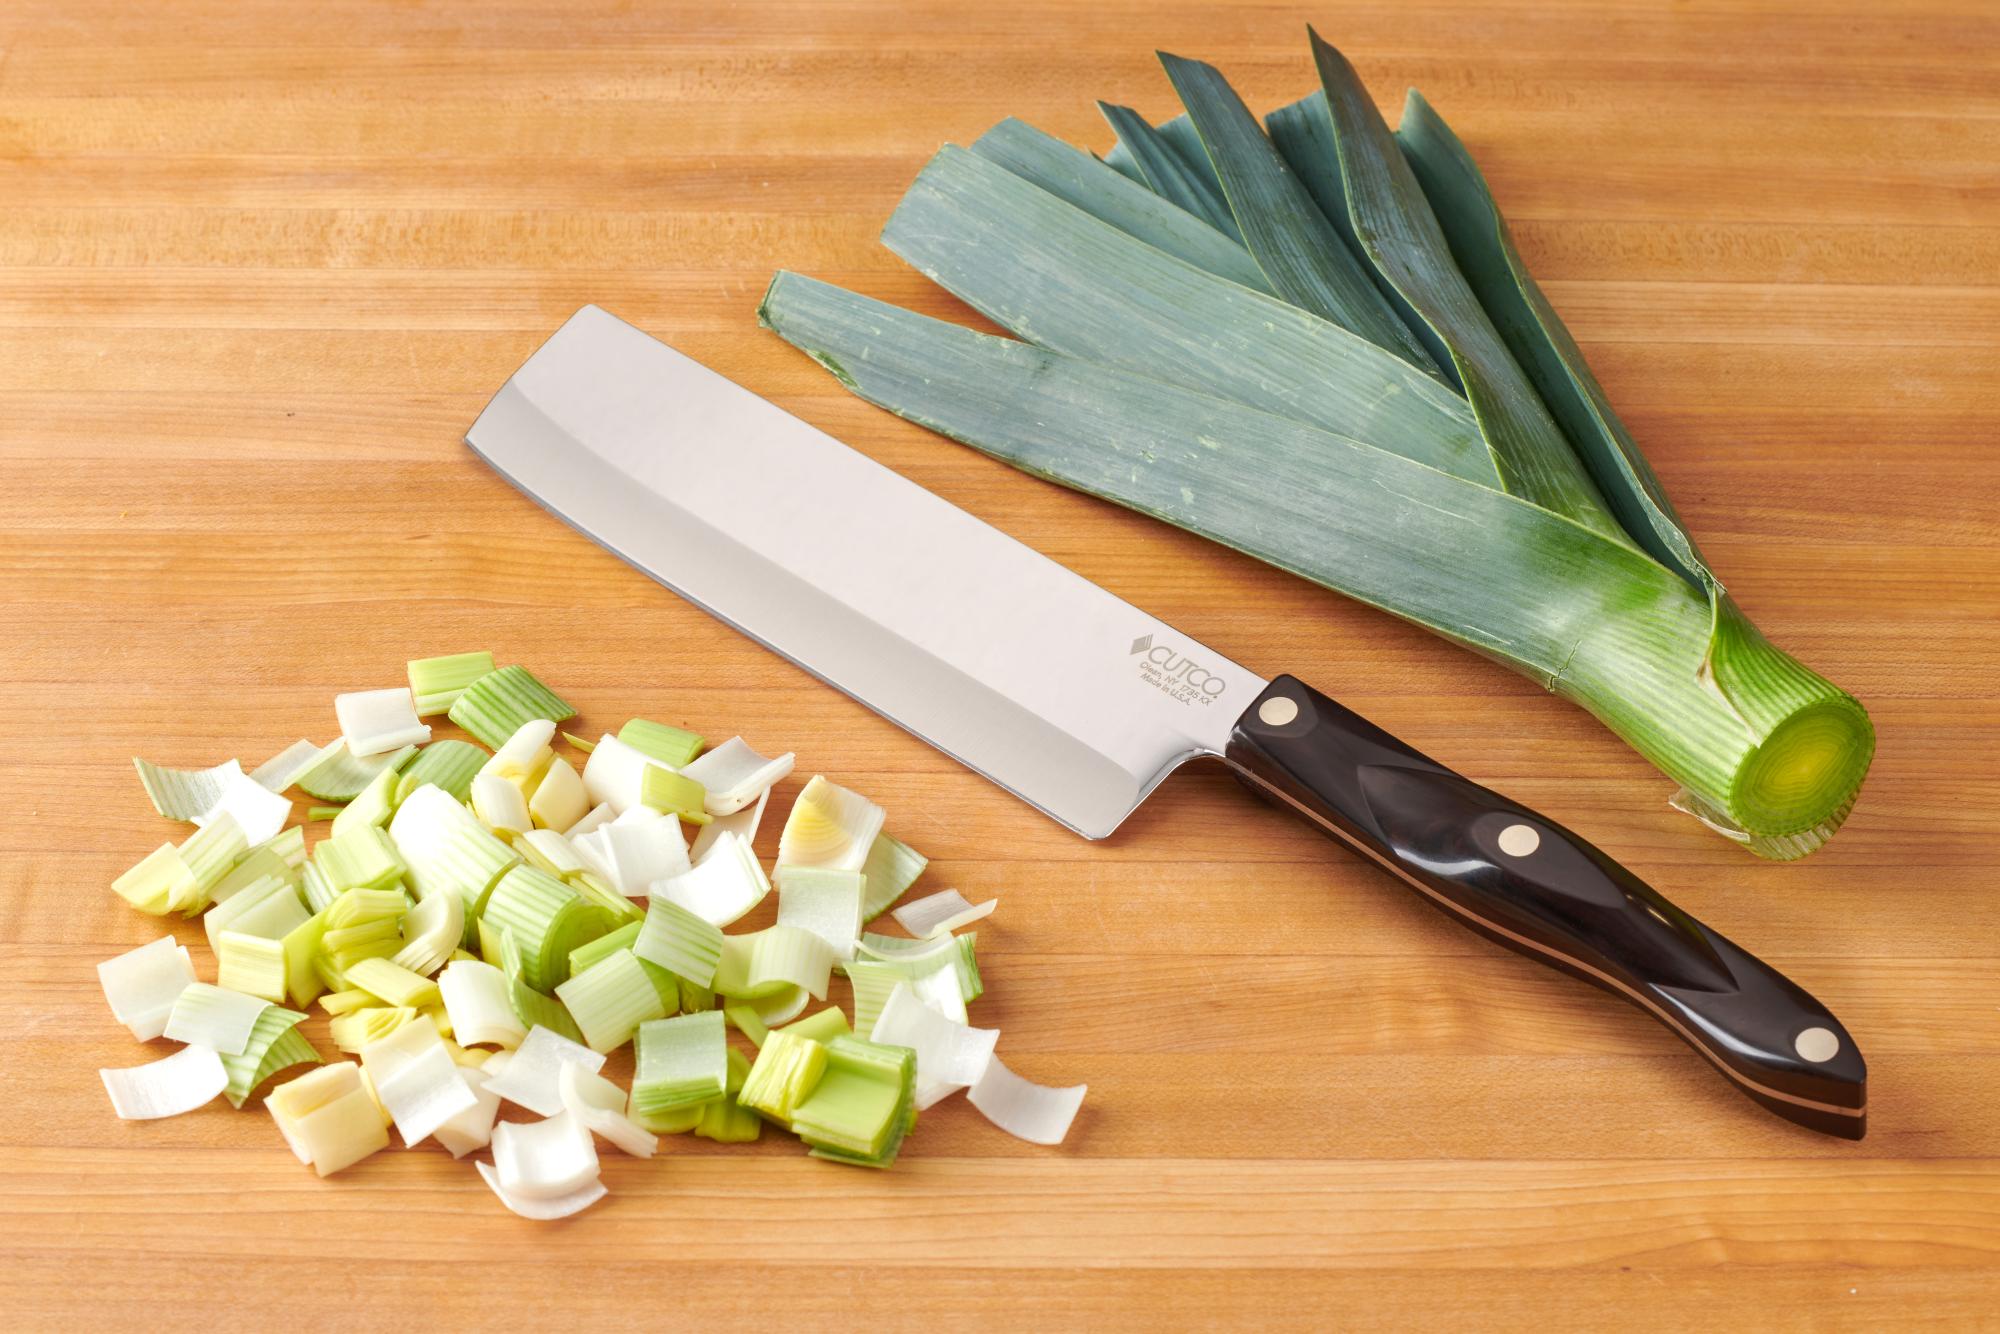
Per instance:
{"type": "Point", "coordinates": [1506, 510]}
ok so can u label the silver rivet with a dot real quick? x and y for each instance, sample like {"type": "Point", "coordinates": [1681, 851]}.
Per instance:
{"type": "Point", "coordinates": [1816, 1044]}
{"type": "Point", "coordinates": [1518, 840]}
{"type": "Point", "coordinates": [1278, 710]}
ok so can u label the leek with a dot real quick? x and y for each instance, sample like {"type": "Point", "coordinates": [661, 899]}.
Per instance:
{"type": "Point", "coordinates": [256, 810]}
{"type": "Point", "coordinates": [821, 1025]}
{"type": "Point", "coordinates": [275, 1044]}
{"type": "Point", "coordinates": [558, 800]}
{"type": "Point", "coordinates": [547, 918]}
{"type": "Point", "coordinates": [892, 867]}
{"type": "Point", "coordinates": [447, 850]}
{"type": "Point", "coordinates": [209, 854]}
{"type": "Point", "coordinates": [1499, 502]}
{"type": "Point", "coordinates": [392, 983]}
{"type": "Point", "coordinates": [823, 901]}
{"type": "Point", "coordinates": [471, 1128]}
{"type": "Point", "coordinates": [581, 743]}
{"type": "Point", "coordinates": [829, 826]}
{"type": "Point", "coordinates": [941, 914]}
{"type": "Point", "coordinates": [170, 1086]}
{"type": "Point", "coordinates": [346, 1002]}
{"type": "Point", "coordinates": [677, 940]}
{"type": "Point", "coordinates": [1025, 1110]}
{"type": "Point", "coordinates": [252, 965]}
{"type": "Point", "coordinates": [678, 1063]}
{"type": "Point", "coordinates": [159, 879]}
{"type": "Point", "coordinates": [493, 707]}
{"type": "Point", "coordinates": [671, 746]}
{"type": "Point", "coordinates": [214, 1017]}
{"type": "Point", "coordinates": [183, 794]}
{"type": "Point", "coordinates": [787, 1070]}
{"type": "Point", "coordinates": [863, 1105]}
{"type": "Point", "coordinates": [329, 1118]}
{"type": "Point", "coordinates": [723, 885]}
{"type": "Point", "coordinates": [743, 1017]}
{"type": "Point", "coordinates": [725, 1120]}
{"type": "Point", "coordinates": [733, 775]}
{"type": "Point", "coordinates": [448, 764]}
{"type": "Point", "coordinates": [673, 794]}
{"type": "Point", "coordinates": [743, 824]}
{"type": "Point", "coordinates": [374, 806]}
{"type": "Point", "coordinates": [375, 722]}
{"type": "Point", "coordinates": [476, 997]}
{"type": "Point", "coordinates": [141, 985]}
{"type": "Point", "coordinates": [610, 1000]}
{"type": "Point", "coordinates": [283, 769]}
{"type": "Point", "coordinates": [366, 858]}
{"type": "Point", "coordinates": [339, 775]}
{"type": "Point", "coordinates": [538, 1209]}
{"type": "Point", "coordinates": [436, 683]}
{"type": "Point", "coordinates": [359, 1029]}
{"type": "Point", "coordinates": [533, 1074]}
{"type": "Point", "coordinates": [431, 930]}
{"type": "Point", "coordinates": [593, 952]}
{"type": "Point", "coordinates": [544, 1160]}
{"type": "Point", "coordinates": [599, 1106]}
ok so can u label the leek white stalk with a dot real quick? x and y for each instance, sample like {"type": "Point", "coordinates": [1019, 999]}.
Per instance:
{"type": "Point", "coordinates": [215, 1018]}
{"type": "Point", "coordinates": [1024, 1109]}
{"type": "Point", "coordinates": [599, 1105]}
{"type": "Point", "coordinates": [376, 722]}
{"type": "Point", "coordinates": [475, 995]}
{"type": "Point", "coordinates": [141, 985]}
{"type": "Point", "coordinates": [532, 1078]}
{"type": "Point", "coordinates": [259, 812]}
{"type": "Point", "coordinates": [941, 914]}
{"type": "Point", "coordinates": [543, 1209]}
{"type": "Point", "coordinates": [733, 775]}
{"type": "Point", "coordinates": [723, 885]}
{"type": "Point", "coordinates": [170, 1086]}
{"type": "Point", "coordinates": [743, 824]}
{"type": "Point", "coordinates": [329, 1117]}
{"type": "Point", "coordinates": [823, 901]}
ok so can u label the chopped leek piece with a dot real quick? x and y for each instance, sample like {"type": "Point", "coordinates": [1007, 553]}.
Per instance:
{"type": "Point", "coordinates": [829, 826]}
{"type": "Point", "coordinates": [941, 914]}
{"type": "Point", "coordinates": [821, 1025]}
{"type": "Point", "coordinates": [532, 1078]}
{"type": "Point", "coordinates": [621, 909]}
{"type": "Point", "coordinates": [447, 850]}
{"type": "Point", "coordinates": [551, 852]}
{"type": "Point", "coordinates": [313, 884]}
{"type": "Point", "coordinates": [374, 722]}
{"type": "Point", "coordinates": [611, 1000]}
{"type": "Point", "coordinates": [477, 999]}
{"type": "Point", "coordinates": [472, 1128]}
{"type": "Point", "coordinates": [209, 1016]}
{"type": "Point", "coordinates": [559, 800]}
{"type": "Point", "coordinates": [694, 998]}
{"type": "Point", "coordinates": [892, 867]}
{"type": "Point", "coordinates": [680, 942]}
{"type": "Point", "coordinates": [615, 773]}
{"type": "Point", "coordinates": [338, 775]}
{"type": "Point", "coordinates": [171, 1086]}
{"type": "Point", "coordinates": [599, 1105]}
{"type": "Point", "coordinates": [251, 965]}
{"type": "Point", "coordinates": [538, 1210]}
{"type": "Point", "coordinates": [1024, 1109]}
{"type": "Point", "coordinates": [363, 859]}
{"type": "Point", "coordinates": [431, 930]}
{"type": "Point", "coordinates": [142, 985]}
{"type": "Point", "coordinates": [635, 850]}
{"type": "Point", "coordinates": [321, 814]}
{"type": "Point", "coordinates": [785, 956]}
{"type": "Point", "coordinates": [672, 794]}
{"type": "Point", "coordinates": [733, 775]}
{"type": "Point", "coordinates": [725, 1120]}
{"type": "Point", "coordinates": [823, 901]}
{"type": "Point", "coordinates": [209, 854]}
{"type": "Point", "coordinates": [345, 1002]}
{"type": "Point", "coordinates": [536, 1010]}
{"type": "Point", "coordinates": [543, 1160]}
{"type": "Point", "coordinates": [329, 1118]}
{"type": "Point", "coordinates": [449, 764]}
{"type": "Point", "coordinates": [678, 1062]}
{"type": "Point", "coordinates": [743, 1017]}
{"type": "Point", "coordinates": [418, 1083]}
{"type": "Point", "coordinates": [547, 918]}
{"type": "Point", "coordinates": [787, 1070]}
{"type": "Point", "coordinates": [290, 845]}
{"type": "Point", "coordinates": [275, 1044]}
{"type": "Point", "coordinates": [874, 982]}
{"type": "Point", "coordinates": [863, 1105]}
{"type": "Point", "coordinates": [259, 812]}
{"type": "Point", "coordinates": [436, 683]}
{"type": "Point", "coordinates": [524, 754]}
{"type": "Point", "coordinates": [775, 1009]}
{"type": "Point", "coordinates": [357, 1030]}
{"type": "Point", "coordinates": [259, 863]}
{"type": "Point", "coordinates": [950, 1055]}
{"type": "Point", "coordinates": [721, 887]}
{"type": "Point", "coordinates": [500, 805]}
{"type": "Point", "coordinates": [161, 878]}
{"type": "Point", "coordinates": [579, 742]}
{"type": "Point", "coordinates": [283, 769]}
{"type": "Point", "coordinates": [744, 824]}
{"type": "Point", "coordinates": [183, 794]}
{"type": "Point", "coordinates": [493, 707]}
{"type": "Point", "coordinates": [374, 806]}
{"type": "Point", "coordinates": [671, 746]}
{"type": "Point", "coordinates": [599, 815]}
{"type": "Point", "coordinates": [393, 983]}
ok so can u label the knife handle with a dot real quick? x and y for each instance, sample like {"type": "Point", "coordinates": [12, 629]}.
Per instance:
{"type": "Point", "coordinates": [1523, 880]}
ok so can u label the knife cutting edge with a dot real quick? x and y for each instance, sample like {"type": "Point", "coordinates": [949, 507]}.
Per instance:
{"type": "Point", "coordinates": [1080, 703]}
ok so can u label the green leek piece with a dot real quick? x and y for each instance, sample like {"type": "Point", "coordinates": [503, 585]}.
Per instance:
{"type": "Point", "coordinates": [252, 965]}
{"type": "Point", "coordinates": [547, 919]}
{"type": "Point", "coordinates": [209, 854]}
{"type": "Point", "coordinates": [160, 878]}
{"type": "Point", "coordinates": [449, 764]}
{"type": "Point", "coordinates": [393, 983]}
{"type": "Point", "coordinates": [184, 794]}
{"type": "Point", "coordinates": [268, 907]}
{"type": "Point", "coordinates": [318, 890]}
{"type": "Point", "coordinates": [820, 1026]}
{"type": "Point", "coordinates": [695, 998]}
{"type": "Point", "coordinates": [944, 974]}
{"type": "Point", "coordinates": [493, 707]}
{"type": "Point", "coordinates": [725, 1120]}
{"type": "Point", "coordinates": [787, 1070]}
{"type": "Point", "coordinates": [345, 1002]}
{"type": "Point", "coordinates": [622, 911]}
{"type": "Point", "coordinates": [678, 1063]}
{"type": "Point", "coordinates": [301, 946]}
{"type": "Point", "coordinates": [357, 1028]}
{"type": "Point", "coordinates": [743, 1017]}
{"type": "Point", "coordinates": [673, 746]}
{"type": "Point", "coordinates": [1298, 249]}
{"type": "Point", "coordinates": [531, 1007]}
{"type": "Point", "coordinates": [338, 776]}
{"type": "Point", "coordinates": [374, 806]}
{"type": "Point", "coordinates": [1169, 172]}
{"type": "Point", "coordinates": [289, 844]}
{"type": "Point", "coordinates": [873, 980]}
{"type": "Point", "coordinates": [771, 962]}
{"type": "Point", "coordinates": [1078, 178]}
{"type": "Point", "coordinates": [673, 794]}
{"type": "Point", "coordinates": [611, 1000]}
{"type": "Point", "coordinates": [275, 1044]}
{"type": "Point", "coordinates": [358, 924]}
{"type": "Point", "coordinates": [362, 859]}
{"type": "Point", "coordinates": [436, 683]}
{"type": "Point", "coordinates": [863, 1106]}
{"type": "Point", "coordinates": [321, 814]}
{"type": "Point", "coordinates": [255, 865]}
{"type": "Point", "coordinates": [596, 951]}
{"type": "Point", "coordinates": [680, 942]}
{"type": "Point", "coordinates": [581, 743]}
{"type": "Point", "coordinates": [669, 988]}
{"type": "Point", "coordinates": [673, 1121]}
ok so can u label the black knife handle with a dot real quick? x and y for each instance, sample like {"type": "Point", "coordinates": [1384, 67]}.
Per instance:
{"type": "Point", "coordinates": [1523, 880]}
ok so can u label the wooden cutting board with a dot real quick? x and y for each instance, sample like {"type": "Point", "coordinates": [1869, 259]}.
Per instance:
{"type": "Point", "coordinates": [261, 263]}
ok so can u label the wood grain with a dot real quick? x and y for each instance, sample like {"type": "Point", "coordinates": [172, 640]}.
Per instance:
{"type": "Point", "coordinates": [260, 264]}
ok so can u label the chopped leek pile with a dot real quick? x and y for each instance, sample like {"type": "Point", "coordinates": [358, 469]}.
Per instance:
{"type": "Point", "coordinates": [1313, 340]}
{"type": "Point", "coordinates": [486, 927]}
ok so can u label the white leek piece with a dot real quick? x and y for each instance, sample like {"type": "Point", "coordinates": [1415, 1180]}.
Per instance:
{"type": "Point", "coordinates": [283, 769]}
{"type": "Point", "coordinates": [544, 1160]}
{"type": "Point", "coordinates": [720, 888]}
{"type": "Point", "coordinates": [524, 752]}
{"type": "Point", "coordinates": [823, 901]}
{"type": "Point", "coordinates": [552, 852]}
{"type": "Point", "coordinates": [258, 811]}
{"type": "Point", "coordinates": [188, 1079]}
{"type": "Point", "coordinates": [373, 722]}
{"type": "Point", "coordinates": [615, 773]}
{"type": "Point", "coordinates": [599, 1105]}
{"type": "Point", "coordinates": [829, 826]}
{"type": "Point", "coordinates": [183, 794]}
{"type": "Point", "coordinates": [143, 984]}
{"type": "Point", "coordinates": [941, 914]}
{"type": "Point", "coordinates": [422, 1091]}
{"type": "Point", "coordinates": [743, 824]}
{"type": "Point", "coordinates": [431, 931]}
{"type": "Point", "coordinates": [472, 1128]}
{"type": "Point", "coordinates": [329, 1117]}
{"type": "Point", "coordinates": [950, 1055]}
{"type": "Point", "coordinates": [533, 1076]}
{"type": "Point", "coordinates": [733, 775]}
{"type": "Point", "coordinates": [479, 1001]}
{"type": "Point", "coordinates": [500, 805]}
{"type": "Point", "coordinates": [598, 815]}
{"type": "Point", "coordinates": [635, 850]}
{"type": "Point", "coordinates": [208, 1016]}
{"type": "Point", "coordinates": [559, 800]}
{"type": "Point", "coordinates": [1024, 1109]}
{"type": "Point", "coordinates": [543, 1211]}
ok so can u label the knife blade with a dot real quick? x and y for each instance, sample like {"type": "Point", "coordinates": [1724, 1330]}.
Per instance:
{"type": "Point", "coordinates": [1079, 702]}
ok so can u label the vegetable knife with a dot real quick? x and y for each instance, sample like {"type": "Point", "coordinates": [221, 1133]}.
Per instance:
{"type": "Point", "coordinates": [1081, 704]}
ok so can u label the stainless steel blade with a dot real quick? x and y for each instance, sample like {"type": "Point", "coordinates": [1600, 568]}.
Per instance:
{"type": "Point", "coordinates": [1074, 700]}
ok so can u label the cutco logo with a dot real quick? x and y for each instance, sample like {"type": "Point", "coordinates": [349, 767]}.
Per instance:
{"type": "Point", "coordinates": [1175, 673]}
